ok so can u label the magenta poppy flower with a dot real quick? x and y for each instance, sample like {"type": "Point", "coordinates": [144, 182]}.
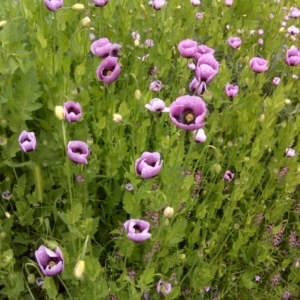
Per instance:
{"type": "Point", "coordinates": [54, 5]}
{"type": "Point", "coordinates": [155, 86]}
{"type": "Point", "coordinates": [137, 230]}
{"type": "Point", "coordinates": [294, 13]}
{"type": "Point", "coordinates": [51, 263]}
{"type": "Point", "coordinates": [231, 90]}
{"type": "Point", "coordinates": [195, 2]}
{"type": "Point", "coordinates": [187, 48]}
{"type": "Point", "coordinates": [292, 57]}
{"type": "Point", "coordinates": [157, 4]}
{"type": "Point", "coordinates": [201, 50]}
{"type": "Point", "coordinates": [100, 3]}
{"type": "Point", "coordinates": [198, 87]}
{"type": "Point", "coordinates": [207, 68]}
{"type": "Point", "coordinates": [228, 3]}
{"type": "Point", "coordinates": [78, 151]}
{"type": "Point", "coordinates": [293, 30]}
{"type": "Point", "coordinates": [163, 288]}
{"type": "Point", "coordinates": [258, 65]}
{"type": "Point", "coordinates": [72, 111]}
{"type": "Point", "coordinates": [148, 165]}
{"type": "Point", "coordinates": [276, 80]}
{"type": "Point", "coordinates": [234, 42]}
{"type": "Point", "coordinates": [109, 70]}
{"type": "Point", "coordinates": [228, 176]}
{"type": "Point", "coordinates": [101, 47]}
{"type": "Point", "coordinates": [188, 112]}
{"type": "Point", "coordinates": [157, 105]}
{"type": "Point", "coordinates": [27, 141]}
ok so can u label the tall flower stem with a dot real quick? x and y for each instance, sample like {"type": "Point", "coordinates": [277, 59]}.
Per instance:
{"type": "Point", "coordinates": [64, 285]}
{"type": "Point", "coordinates": [39, 183]}
{"type": "Point", "coordinates": [67, 162]}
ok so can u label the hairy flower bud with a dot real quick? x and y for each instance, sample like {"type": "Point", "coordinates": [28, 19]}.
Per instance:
{"type": "Point", "coordinates": [85, 22]}
{"type": "Point", "coordinates": [137, 95]}
{"type": "Point", "coordinates": [3, 23]}
{"type": "Point", "coordinates": [31, 278]}
{"type": "Point", "coordinates": [59, 112]}
{"type": "Point", "coordinates": [117, 118]}
{"type": "Point", "coordinates": [7, 215]}
{"type": "Point", "coordinates": [78, 7]}
{"type": "Point", "coordinates": [168, 212]}
{"type": "Point", "coordinates": [79, 269]}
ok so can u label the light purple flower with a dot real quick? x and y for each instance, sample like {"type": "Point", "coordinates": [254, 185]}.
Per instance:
{"type": "Point", "coordinates": [195, 2]}
{"type": "Point", "coordinates": [188, 112]}
{"type": "Point", "coordinates": [155, 86]}
{"type": "Point", "coordinates": [292, 57]}
{"type": "Point", "coordinates": [276, 80]}
{"type": "Point", "coordinates": [72, 111]}
{"type": "Point", "coordinates": [196, 86]}
{"type": "Point", "coordinates": [199, 135]}
{"type": "Point", "coordinates": [157, 105]}
{"type": "Point", "coordinates": [228, 176]}
{"type": "Point", "coordinates": [286, 295]}
{"type": "Point", "coordinates": [260, 32]}
{"type": "Point", "coordinates": [294, 12]}
{"type": "Point", "coordinates": [199, 15]}
{"type": "Point", "coordinates": [231, 90]}
{"type": "Point", "coordinates": [148, 165]}
{"type": "Point", "coordinates": [129, 187]}
{"type": "Point", "coordinates": [187, 48]}
{"type": "Point", "coordinates": [191, 66]}
{"type": "Point", "coordinates": [258, 65]}
{"type": "Point", "coordinates": [207, 68]}
{"type": "Point", "coordinates": [109, 70]}
{"type": "Point", "coordinates": [137, 230]}
{"type": "Point", "coordinates": [257, 278]}
{"type": "Point", "coordinates": [103, 48]}
{"type": "Point", "coordinates": [290, 152]}
{"type": "Point", "coordinates": [157, 4]}
{"type": "Point", "coordinates": [293, 30]}
{"type": "Point", "coordinates": [27, 141]}
{"type": "Point", "coordinates": [228, 3]}
{"type": "Point", "coordinates": [54, 5]}
{"type": "Point", "coordinates": [135, 35]}
{"type": "Point", "coordinates": [201, 50]}
{"type": "Point", "coordinates": [163, 288]}
{"type": "Point", "coordinates": [51, 263]}
{"type": "Point", "coordinates": [149, 43]}
{"type": "Point", "coordinates": [100, 3]}
{"type": "Point", "coordinates": [260, 41]}
{"type": "Point", "coordinates": [78, 151]}
{"type": "Point", "coordinates": [235, 42]}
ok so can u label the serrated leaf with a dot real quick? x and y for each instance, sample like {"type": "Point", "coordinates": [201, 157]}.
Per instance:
{"type": "Point", "coordinates": [73, 215]}
{"type": "Point", "coordinates": [146, 278]}
{"type": "Point", "coordinates": [92, 268]}
{"type": "Point", "coordinates": [50, 287]}
{"type": "Point", "coordinates": [176, 232]}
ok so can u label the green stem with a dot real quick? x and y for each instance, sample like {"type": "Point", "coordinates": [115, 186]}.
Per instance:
{"type": "Point", "coordinates": [39, 183]}
{"type": "Point", "coordinates": [64, 285]}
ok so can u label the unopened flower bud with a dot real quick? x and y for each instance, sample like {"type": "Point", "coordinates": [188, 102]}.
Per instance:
{"type": "Point", "coordinates": [182, 256]}
{"type": "Point", "coordinates": [262, 118]}
{"type": "Point", "coordinates": [216, 168]}
{"type": "Point", "coordinates": [79, 269]}
{"type": "Point", "coordinates": [207, 96]}
{"type": "Point", "coordinates": [178, 7]}
{"type": "Point", "coordinates": [2, 24]}
{"type": "Point", "coordinates": [59, 112]}
{"type": "Point", "coordinates": [3, 235]}
{"type": "Point", "coordinates": [117, 118]}
{"type": "Point", "coordinates": [78, 7]}
{"type": "Point", "coordinates": [3, 141]}
{"type": "Point", "coordinates": [137, 95]}
{"type": "Point", "coordinates": [7, 215]}
{"type": "Point", "coordinates": [31, 278]}
{"type": "Point", "coordinates": [287, 101]}
{"type": "Point", "coordinates": [142, 7]}
{"type": "Point", "coordinates": [3, 123]}
{"type": "Point", "coordinates": [297, 264]}
{"type": "Point", "coordinates": [85, 22]}
{"type": "Point", "coordinates": [90, 141]}
{"type": "Point", "coordinates": [136, 42]}
{"type": "Point", "coordinates": [281, 29]}
{"type": "Point", "coordinates": [293, 38]}
{"type": "Point", "coordinates": [168, 212]}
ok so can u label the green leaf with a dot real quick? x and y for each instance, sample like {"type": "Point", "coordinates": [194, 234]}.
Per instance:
{"type": "Point", "coordinates": [175, 234]}
{"type": "Point", "coordinates": [50, 287]}
{"type": "Point", "coordinates": [73, 215]}
{"type": "Point", "coordinates": [146, 278]}
{"type": "Point", "coordinates": [92, 268]}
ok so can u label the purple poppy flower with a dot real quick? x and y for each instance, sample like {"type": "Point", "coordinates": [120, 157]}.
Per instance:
{"type": "Point", "coordinates": [231, 90]}
{"type": "Point", "coordinates": [260, 31]}
{"type": "Point", "coordinates": [187, 48]}
{"type": "Point", "coordinates": [78, 152]}
{"type": "Point", "coordinates": [109, 70]}
{"type": "Point", "coordinates": [199, 136]}
{"type": "Point", "coordinates": [137, 230]}
{"type": "Point", "coordinates": [292, 57]}
{"type": "Point", "coordinates": [195, 2]}
{"type": "Point", "coordinates": [294, 12]}
{"type": "Point", "coordinates": [51, 263]}
{"type": "Point", "coordinates": [188, 112]}
{"type": "Point", "coordinates": [148, 165]}
{"type": "Point", "coordinates": [54, 5]}
{"type": "Point", "coordinates": [235, 42]}
{"type": "Point", "coordinates": [228, 3]}
{"type": "Point", "coordinates": [258, 65]}
{"type": "Point", "coordinates": [100, 3]}
{"type": "Point", "coordinates": [228, 176]}
{"type": "Point", "coordinates": [199, 15]}
{"type": "Point", "coordinates": [157, 4]}
{"type": "Point", "coordinates": [207, 68]}
{"type": "Point", "coordinates": [290, 152]}
{"type": "Point", "coordinates": [293, 30]}
{"type": "Point", "coordinates": [158, 105]}
{"type": "Point", "coordinates": [260, 41]}
{"type": "Point", "coordinates": [149, 43]}
{"type": "Point", "coordinates": [101, 47]}
{"type": "Point", "coordinates": [196, 86]}
{"type": "Point", "coordinates": [27, 141]}
{"type": "Point", "coordinates": [201, 50]}
{"type": "Point", "coordinates": [135, 35]}
{"type": "Point", "coordinates": [155, 86]}
{"type": "Point", "coordinates": [72, 111]}
{"type": "Point", "coordinates": [163, 288]}
{"type": "Point", "coordinates": [276, 80]}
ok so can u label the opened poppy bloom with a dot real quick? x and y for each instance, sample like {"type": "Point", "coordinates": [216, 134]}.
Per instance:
{"type": "Point", "coordinates": [137, 230]}
{"type": "Point", "coordinates": [231, 90]}
{"type": "Point", "coordinates": [292, 57]}
{"type": "Point", "coordinates": [187, 48]}
{"type": "Point", "coordinates": [78, 152]}
{"type": "Point", "coordinates": [235, 42]}
{"type": "Point", "coordinates": [228, 176]}
{"type": "Point", "coordinates": [157, 105]}
{"type": "Point", "coordinates": [155, 86]}
{"type": "Point", "coordinates": [228, 3]}
{"type": "Point", "coordinates": [51, 263]}
{"type": "Point", "coordinates": [207, 68]}
{"type": "Point", "coordinates": [157, 4]}
{"type": "Point", "coordinates": [196, 87]}
{"type": "Point", "coordinates": [103, 48]}
{"type": "Point", "coordinates": [72, 111]}
{"type": "Point", "coordinates": [109, 70]}
{"type": "Point", "coordinates": [54, 5]}
{"type": "Point", "coordinates": [290, 152]}
{"type": "Point", "coordinates": [148, 165]}
{"type": "Point", "coordinates": [201, 50]}
{"type": "Point", "coordinates": [188, 112]}
{"type": "Point", "coordinates": [100, 3]}
{"type": "Point", "coordinates": [276, 80]}
{"type": "Point", "coordinates": [258, 65]}
{"type": "Point", "coordinates": [163, 288]}
{"type": "Point", "coordinates": [27, 141]}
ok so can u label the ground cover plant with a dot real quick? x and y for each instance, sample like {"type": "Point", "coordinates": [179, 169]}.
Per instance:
{"type": "Point", "coordinates": [149, 150]}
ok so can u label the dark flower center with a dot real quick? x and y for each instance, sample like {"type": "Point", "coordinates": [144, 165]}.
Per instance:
{"type": "Point", "coordinates": [188, 117]}
{"type": "Point", "coordinates": [73, 110]}
{"type": "Point", "coordinates": [107, 72]}
{"type": "Point", "coordinates": [51, 264]}
{"type": "Point", "coordinates": [78, 151]}
{"type": "Point", "coordinates": [137, 229]}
